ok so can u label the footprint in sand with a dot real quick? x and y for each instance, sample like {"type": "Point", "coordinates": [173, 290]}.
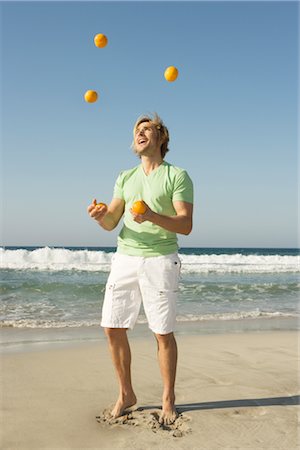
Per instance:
{"type": "Point", "coordinates": [147, 419]}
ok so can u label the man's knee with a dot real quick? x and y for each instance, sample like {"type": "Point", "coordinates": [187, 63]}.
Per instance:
{"type": "Point", "coordinates": [165, 339]}
{"type": "Point", "coordinates": [115, 333]}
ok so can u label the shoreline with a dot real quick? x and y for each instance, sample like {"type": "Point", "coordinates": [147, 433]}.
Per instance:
{"type": "Point", "coordinates": [36, 339]}
{"type": "Point", "coordinates": [247, 388]}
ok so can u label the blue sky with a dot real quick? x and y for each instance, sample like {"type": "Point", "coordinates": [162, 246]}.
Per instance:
{"type": "Point", "coordinates": [232, 114]}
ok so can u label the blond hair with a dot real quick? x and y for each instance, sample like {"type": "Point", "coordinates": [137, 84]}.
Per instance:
{"type": "Point", "coordinates": [160, 127]}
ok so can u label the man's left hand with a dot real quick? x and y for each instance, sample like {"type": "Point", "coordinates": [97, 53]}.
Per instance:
{"type": "Point", "coordinates": [140, 218]}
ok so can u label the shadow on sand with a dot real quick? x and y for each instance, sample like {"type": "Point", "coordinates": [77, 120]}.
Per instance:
{"type": "Point", "coordinates": [256, 402]}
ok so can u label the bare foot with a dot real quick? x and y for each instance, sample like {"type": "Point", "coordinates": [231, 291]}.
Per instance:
{"type": "Point", "coordinates": [168, 414]}
{"type": "Point", "coordinates": [122, 404]}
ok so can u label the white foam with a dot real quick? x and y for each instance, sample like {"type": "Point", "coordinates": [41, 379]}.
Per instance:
{"type": "Point", "coordinates": [239, 263]}
{"type": "Point", "coordinates": [42, 323]}
{"type": "Point", "coordinates": [256, 314]}
{"type": "Point", "coordinates": [55, 259]}
{"type": "Point", "coordinates": [58, 259]}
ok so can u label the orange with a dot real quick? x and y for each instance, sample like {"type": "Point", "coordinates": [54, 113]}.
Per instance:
{"type": "Point", "coordinates": [100, 40]}
{"type": "Point", "coordinates": [171, 73]}
{"type": "Point", "coordinates": [139, 207]}
{"type": "Point", "coordinates": [91, 96]}
{"type": "Point", "coordinates": [101, 204]}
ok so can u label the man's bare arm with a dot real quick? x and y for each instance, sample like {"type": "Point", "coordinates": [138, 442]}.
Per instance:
{"type": "Point", "coordinates": [182, 223]}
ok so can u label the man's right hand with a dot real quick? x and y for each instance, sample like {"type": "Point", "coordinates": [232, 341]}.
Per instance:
{"type": "Point", "coordinates": [97, 212]}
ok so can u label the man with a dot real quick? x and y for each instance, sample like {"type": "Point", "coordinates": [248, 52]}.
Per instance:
{"type": "Point", "coordinates": [146, 265]}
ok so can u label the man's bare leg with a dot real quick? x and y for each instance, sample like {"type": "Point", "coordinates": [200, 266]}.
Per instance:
{"type": "Point", "coordinates": [121, 356]}
{"type": "Point", "coordinates": [167, 357]}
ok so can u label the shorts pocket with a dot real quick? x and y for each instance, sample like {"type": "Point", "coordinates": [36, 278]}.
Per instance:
{"type": "Point", "coordinates": [161, 310]}
{"type": "Point", "coordinates": [170, 273]}
{"type": "Point", "coordinates": [114, 305]}
{"type": "Point", "coordinates": [162, 273]}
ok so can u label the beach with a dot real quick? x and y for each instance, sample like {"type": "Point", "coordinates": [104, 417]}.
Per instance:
{"type": "Point", "coordinates": [237, 334]}
{"type": "Point", "coordinates": [234, 391]}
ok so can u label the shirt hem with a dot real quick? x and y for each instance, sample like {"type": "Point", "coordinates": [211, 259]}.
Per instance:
{"type": "Point", "coordinates": [145, 253]}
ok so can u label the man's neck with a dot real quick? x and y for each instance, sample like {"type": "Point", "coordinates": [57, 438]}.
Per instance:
{"type": "Point", "coordinates": [150, 164]}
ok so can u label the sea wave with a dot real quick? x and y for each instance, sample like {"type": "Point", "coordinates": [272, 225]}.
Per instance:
{"type": "Point", "coordinates": [40, 323]}
{"type": "Point", "coordinates": [61, 259]}
{"type": "Point", "coordinates": [55, 259]}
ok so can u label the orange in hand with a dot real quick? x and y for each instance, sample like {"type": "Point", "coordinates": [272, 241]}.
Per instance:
{"type": "Point", "coordinates": [139, 207]}
{"type": "Point", "coordinates": [101, 204]}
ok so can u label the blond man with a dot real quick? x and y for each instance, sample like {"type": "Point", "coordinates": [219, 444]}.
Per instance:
{"type": "Point", "coordinates": [146, 266]}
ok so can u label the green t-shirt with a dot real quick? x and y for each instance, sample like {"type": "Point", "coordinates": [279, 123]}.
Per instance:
{"type": "Point", "coordinates": [159, 190]}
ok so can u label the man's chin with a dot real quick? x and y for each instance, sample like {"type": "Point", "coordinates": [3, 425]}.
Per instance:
{"type": "Point", "coordinates": [141, 151]}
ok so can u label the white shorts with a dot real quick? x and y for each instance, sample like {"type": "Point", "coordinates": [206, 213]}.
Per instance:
{"type": "Point", "coordinates": [133, 279]}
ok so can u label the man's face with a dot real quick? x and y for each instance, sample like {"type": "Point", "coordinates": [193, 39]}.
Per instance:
{"type": "Point", "coordinates": [146, 139]}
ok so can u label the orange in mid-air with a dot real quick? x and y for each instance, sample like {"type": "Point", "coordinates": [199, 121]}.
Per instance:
{"type": "Point", "coordinates": [139, 207]}
{"type": "Point", "coordinates": [171, 73]}
{"type": "Point", "coordinates": [100, 40]}
{"type": "Point", "coordinates": [90, 96]}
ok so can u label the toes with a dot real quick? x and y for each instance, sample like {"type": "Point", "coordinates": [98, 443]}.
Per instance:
{"type": "Point", "coordinates": [167, 419]}
{"type": "Point", "coordinates": [163, 420]}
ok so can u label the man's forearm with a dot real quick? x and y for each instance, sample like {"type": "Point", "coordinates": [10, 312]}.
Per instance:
{"type": "Point", "coordinates": [177, 224]}
{"type": "Point", "coordinates": [107, 222]}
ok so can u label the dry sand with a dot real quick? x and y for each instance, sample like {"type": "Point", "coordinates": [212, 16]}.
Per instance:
{"type": "Point", "coordinates": [235, 391]}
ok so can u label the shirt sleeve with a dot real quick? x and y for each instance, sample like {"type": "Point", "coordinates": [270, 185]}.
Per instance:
{"type": "Point", "coordinates": [183, 188]}
{"type": "Point", "coordinates": [118, 188]}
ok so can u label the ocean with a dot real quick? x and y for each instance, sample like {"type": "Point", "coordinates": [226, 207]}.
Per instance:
{"type": "Point", "coordinates": [232, 289]}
